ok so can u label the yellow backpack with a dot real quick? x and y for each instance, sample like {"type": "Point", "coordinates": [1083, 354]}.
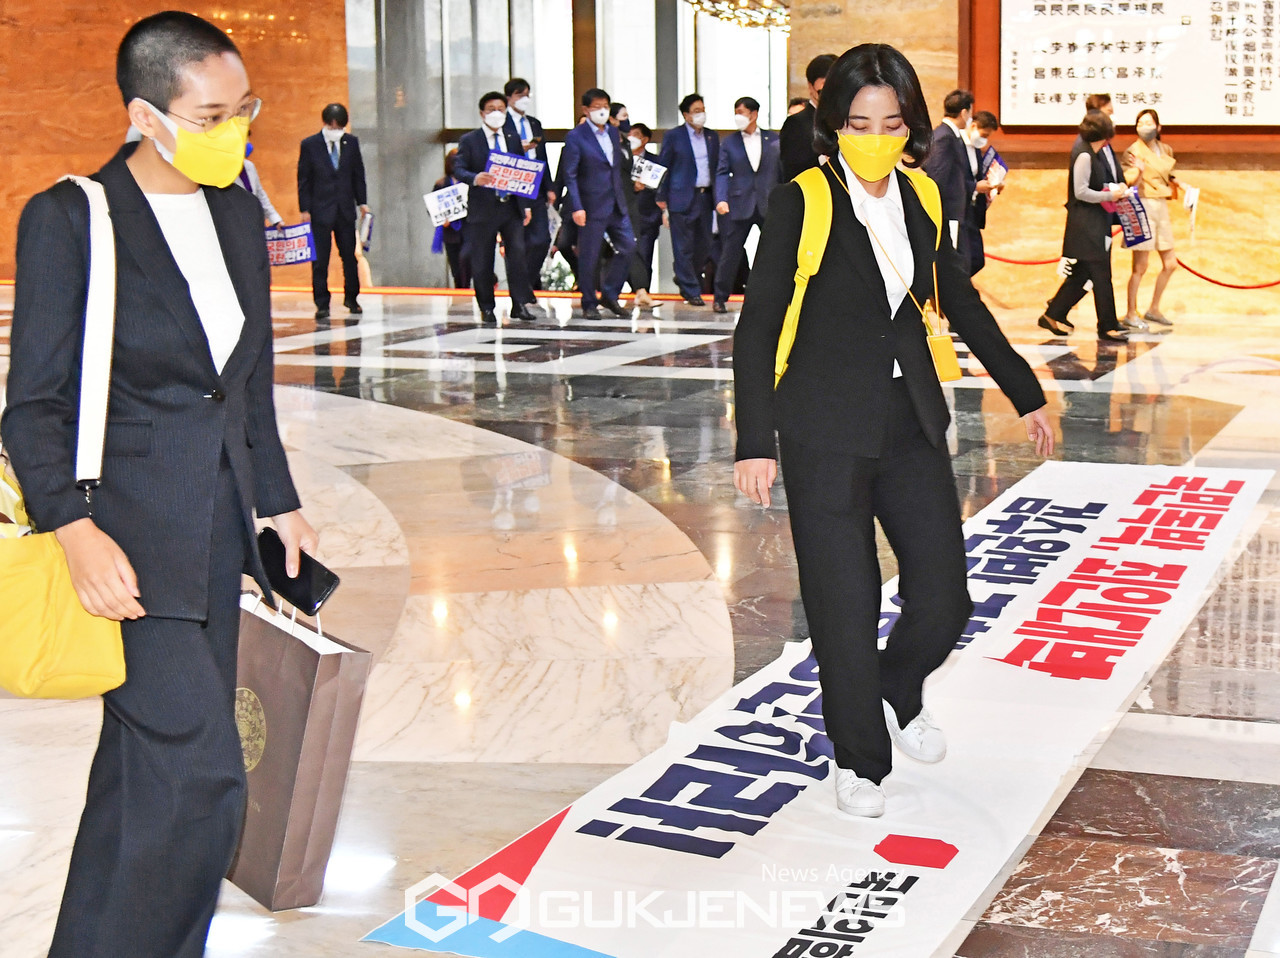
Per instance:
{"type": "Point", "coordinates": [814, 233]}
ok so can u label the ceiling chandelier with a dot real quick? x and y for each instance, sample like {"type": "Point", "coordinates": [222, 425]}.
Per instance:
{"type": "Point", "coordinates": [748, 13]}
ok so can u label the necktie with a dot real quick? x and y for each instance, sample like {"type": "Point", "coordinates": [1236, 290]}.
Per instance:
{"type": "Point", "coordinates": [333, 154]}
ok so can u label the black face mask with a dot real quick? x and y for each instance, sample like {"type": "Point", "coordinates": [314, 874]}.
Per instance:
{"type": "Point", "coordinates": [624, 127]}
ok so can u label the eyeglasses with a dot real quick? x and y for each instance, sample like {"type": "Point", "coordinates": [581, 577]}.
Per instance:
{"type": "Point", "coordinates": [208, 124]}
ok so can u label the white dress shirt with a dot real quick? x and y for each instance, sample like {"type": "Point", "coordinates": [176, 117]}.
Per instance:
{"type": "Point", "coordinates": [523, 129]}
{"type": "Point", "coordinates": [885, 217]}
{"type": "Point", "coordinates": [188, 228]}
{"type": "Point", "coordinates": [604, 136]}
{"type": "Point", "coordinates": [753, 144]}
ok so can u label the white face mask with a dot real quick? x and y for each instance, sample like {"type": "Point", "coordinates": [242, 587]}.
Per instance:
{"type": "Point", "coordinates": [331, 135]}
{"type": "Point", "coordinates": [495, 120]}
{"type": "Point", "coordinates": [979, 142]}
{"type": "Point", "coordinates": [1147, 131]}
{"type": "Point", "coordinates": [599, 117]}
{"type": "Point", "coordinates": [634, 141]}
{"type": "Point", "coordinates": [698, 119]}
{"type": "Point", "coordinates": [740, 121]}
{"type": "Point", "coordinates": [523, 105]}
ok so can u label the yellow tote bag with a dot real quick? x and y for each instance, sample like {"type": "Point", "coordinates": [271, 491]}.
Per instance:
{"type": "Point", "coordinates": [50, 647]}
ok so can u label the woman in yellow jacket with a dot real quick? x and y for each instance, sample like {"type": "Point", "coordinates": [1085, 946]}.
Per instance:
{"type": "Point", "coordinates": [1149, 162]}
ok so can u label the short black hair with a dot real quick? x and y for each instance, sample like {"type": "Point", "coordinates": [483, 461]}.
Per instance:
{"type": "Point", "coordinates": [615, 108]}
{"type": "Point", "coordinates": [156, 50]}
{"type": "Point", "coordinates": [986, 120]}
{"type": "Point", "coordinates": [797, 101]}
{"type": "Point", "coordinates": [516, 85]}
{"type": "Point", "coordinates": [492, 95]}
{"type": "Point", "coordinates": [642, 130]}
{"type": "Point", "coordinates": [750, 102]}
{"type": "Point", "coordinates": [1096, 126]}
{"type": "Point", "coordinates": [595, 93]}
{"type": "Point", "coordinates": [819, 67]}
{"type": "Point", "coordinates": [687, 103]}
{"type": "Point", "coordinates": [334, 113]}
{"type": "Point", "coordinates": [872, 64]}
{"type": "Point", "coordinates": [957, 102]}
{"type": "Point", "coordinates": [1096, 101]}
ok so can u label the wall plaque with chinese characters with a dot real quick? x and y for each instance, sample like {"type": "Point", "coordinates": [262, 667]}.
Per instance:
{"type": "Point", "coordinates": [1198, 62]}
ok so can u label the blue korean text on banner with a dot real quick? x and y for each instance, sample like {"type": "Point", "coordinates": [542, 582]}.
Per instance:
{"type": "Point", "coordinates": [293, 244]}
{"type": "Point", "coordinates": [515, 174]}
{"type": "Point", "coordinates": [1133, 219]}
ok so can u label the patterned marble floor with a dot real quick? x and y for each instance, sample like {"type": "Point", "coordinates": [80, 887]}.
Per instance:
{"type": "Point", "coordinates": [540, 542]}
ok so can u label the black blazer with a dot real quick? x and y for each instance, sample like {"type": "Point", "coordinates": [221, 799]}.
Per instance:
{"type": "Point", "coordinates": [841, 366]}
{"type": "Point", "coordinates": [795, 141]}
{"type": "Point", "coordinates": [483, 204]}
{"type": "Point", "coordinates": [540, 152]}
{"type": "Point", "coordinates": [329, 195]}
{"type": "Point", "coordinates": [948, 166]}
{"type": "Point", "coordinates": [172, 418]}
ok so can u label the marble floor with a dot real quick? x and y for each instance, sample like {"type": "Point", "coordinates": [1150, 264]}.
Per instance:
{"type": "Point", "coordinates": [540, 543]}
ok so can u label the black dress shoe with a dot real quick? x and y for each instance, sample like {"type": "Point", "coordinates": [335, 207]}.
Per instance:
{"type": "Point", "coordinates": [322, 314]}
{"type": "Point", "coordinates": [353, 306]}
{"type": "Point", "coordinates": [695, 301]}
{"type": "Point", "coordinates": [487, 318]}
{"type": "Point", "coordinates": [719, 307]}
{"type": "Point", "coordinates": [522, 312]}
{"type": "Point", "coordinates": [1044, 322]}
{"type": "Point", "coordinates": [591, 313]}
{"type": "Point", "coordinates": [1113, 336]}
{"type": "Point", "coordinates": [1067, 323]}
{"type": "Point", "coordinates": [613, 306]}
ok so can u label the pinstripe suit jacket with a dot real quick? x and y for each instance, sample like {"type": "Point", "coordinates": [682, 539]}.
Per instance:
{"type": "Point", "coordinates": [172, 417]}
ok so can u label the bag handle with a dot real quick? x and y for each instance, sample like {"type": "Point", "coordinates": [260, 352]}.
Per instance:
{"type": "Point", "coordinates": [99, 334]}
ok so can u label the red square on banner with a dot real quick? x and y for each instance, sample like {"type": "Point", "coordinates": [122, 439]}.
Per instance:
{"type": "Point", "coordinates": [909, 850]}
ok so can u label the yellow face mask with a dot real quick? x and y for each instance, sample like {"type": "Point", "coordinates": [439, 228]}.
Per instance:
{"type": "Point", "coordinates": [871, 156]}
{"type": "Point", "coordinates": [212, 158]}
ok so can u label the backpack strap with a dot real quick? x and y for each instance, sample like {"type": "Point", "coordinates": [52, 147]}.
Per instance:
{"type": "Point", "coordinates": [814, 232]}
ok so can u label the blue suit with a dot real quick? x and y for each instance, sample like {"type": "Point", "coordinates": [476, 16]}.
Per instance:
{"type": "Point", "coordinates": [597, 187]}
{"type": "Point", "coordinates": [746, 190]}
{"type": "Point", "coordinates": [537, 235]}
{"type": "Point", "coordinates": [689, 206]}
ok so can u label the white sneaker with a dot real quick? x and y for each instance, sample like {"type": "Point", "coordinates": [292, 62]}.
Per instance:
{"type": "Point", "coordinates": [921, 739]}
{"type": "Point", "coordinates": [858, 796]}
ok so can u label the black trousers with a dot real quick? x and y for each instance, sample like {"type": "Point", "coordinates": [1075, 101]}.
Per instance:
{"type": "Point", "coordinates": [733, 238]}
{"type": "Point", "coordinates": [832, 500]}
{"type": "Point", "coordinates": [537, 241]}
{"type": "Point", "coordinates": [641, 275]}
{"type": "Point", "coordinates": [326, 234]}
{"type": "Point", "coordinates": [1072, 291]}
{"type": "Point", "coordinates": [691, 243]}
{"type": "Point", "coordinates": [617, 226]}
{"type": "Point", "coordinates": [459, 272]}
{"type": "Point", "coordinates": [167, 786]}
{"type": "Point", "coordinates": [478, 248]}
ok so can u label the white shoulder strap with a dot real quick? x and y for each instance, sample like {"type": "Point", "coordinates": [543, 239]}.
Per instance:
{"type": "Point", "coordinates": [99, 334]}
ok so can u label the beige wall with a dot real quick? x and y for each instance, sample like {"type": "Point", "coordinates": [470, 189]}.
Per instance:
{"type": "Point", "coordinates": [1237, 233]}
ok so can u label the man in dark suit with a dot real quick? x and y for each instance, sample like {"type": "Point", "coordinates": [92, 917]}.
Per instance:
{"type": "Point", "coordinates": [690, 154]}
{"type": "Point", "coordinates": [985, 125]}
{"type": "Point", "coordinates": [595, 188]}
{"type": "Point", "coordinates": [796, 135]}
{"type": "Point", "coordinates": [745, 176]}
{"type": "Point", "coordinates": [330, 187]}
{"type": "Point", "coordinates": [491, 212]}
{"type": "Point", "coordinates": [537, 235]}
{"type": "Point", "coordinates": [950, 165]}
{"type": "Point", "coordinates": [646, 219]}
{"type": "Point", "coordinates": [192, 452]}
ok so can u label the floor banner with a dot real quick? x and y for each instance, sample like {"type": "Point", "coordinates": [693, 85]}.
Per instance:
{"type": "Point", "coordinates": [727, 841]}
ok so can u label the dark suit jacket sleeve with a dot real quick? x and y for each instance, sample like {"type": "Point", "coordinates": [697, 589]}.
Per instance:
{"type": "Point", "coordinates": [755, 341]}
{"type": "Point", "coordinates": [721, 174]}
{"type": "Point", "coordinates": [43, 387]}
{"type": "Point", "coordinates": [969, 316]}
{"type": "Point", "coordinates": [466, 165]}
{"type": "Point", "coordinates": [666, 156]}
{"type": "Point", "coordinates": [569, 161]}
{"type": "Point", "coordinates": [796, 144]}
{"type": "Point", "coordinates": [357, 173]}
{"type": "Point", "coordinates": [304, 179]}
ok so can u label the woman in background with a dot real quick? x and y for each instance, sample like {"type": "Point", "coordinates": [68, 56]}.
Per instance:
{"type": "Point", "coordinates": [1149, 163]}
{"type": "Point", "coordinates": [450, 237]}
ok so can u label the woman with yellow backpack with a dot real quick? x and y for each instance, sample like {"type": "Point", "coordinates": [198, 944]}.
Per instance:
{"type": "Point", "coordinates": [838, 353]}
